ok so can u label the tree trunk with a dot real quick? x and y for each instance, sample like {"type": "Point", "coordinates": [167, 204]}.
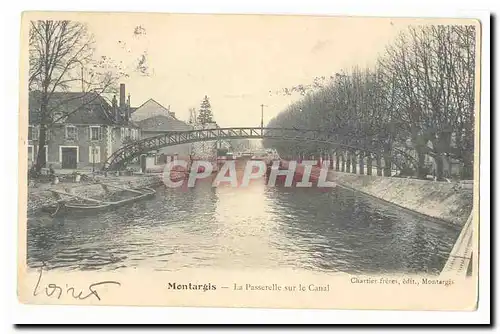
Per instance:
{"type": "Point", "coordinates": [362, 163]}
{"type": "Point", "coordinates": [379, 165]}
{"type": "Point", "coordinates": [387, 161]}
{"type": "Point", "coordinates": [420, 144]}
{"type": "Point", "coordinates": [348, 163]}
{"type": "Point", "coordinates": [468, 168]}
{"type": "Point", "coordinates": [447, 172]}
{"type": "Point", "coordinates": [387, 166]}
{"type": "Point", "coordinates": [369, 164]}
{"type": "Point", "coordinates": [421, 172]}
{"type": "Point", "coordinates": [439, 167]}
{"type": "Point", "coordinates": [442, 145]}
{"type": "Point", "coordinates": [354, 162]}
{"type": "Point", "coordinates": [40, 156]}
{"type": "Point", "coordinates": [342, 169]}
{"type": "Point", "coordinates": [337, 161]}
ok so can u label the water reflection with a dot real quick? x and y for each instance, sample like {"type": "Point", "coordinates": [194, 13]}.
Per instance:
{"type": "Point", "coordinates": [254, 227]}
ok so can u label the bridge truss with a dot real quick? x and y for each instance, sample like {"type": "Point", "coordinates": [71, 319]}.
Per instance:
{"type": "Point", "coordinates": [126, 153]}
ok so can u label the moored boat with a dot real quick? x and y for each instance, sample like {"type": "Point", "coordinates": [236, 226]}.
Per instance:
{"type": "Point", "coordinates": [83, 205]}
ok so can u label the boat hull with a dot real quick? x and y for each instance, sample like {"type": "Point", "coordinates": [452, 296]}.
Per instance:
{"type": "Point", "coordinates": [73, 208]}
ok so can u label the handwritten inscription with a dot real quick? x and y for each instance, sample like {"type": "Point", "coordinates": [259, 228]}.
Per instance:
{"type": "Point", "coordinates": [58, 291]}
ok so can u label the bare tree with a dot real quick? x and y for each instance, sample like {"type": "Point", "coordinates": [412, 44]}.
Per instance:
{"type": "Point", "coordinates": [434, 71]}
{"type": "Point", "coordinates": [61, 57]}
{"type": "Point", "coordinates": [419, 98]}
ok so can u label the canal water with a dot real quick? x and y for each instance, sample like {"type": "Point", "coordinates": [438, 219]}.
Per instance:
{"type": "Point", "coordinates": [257, 227]}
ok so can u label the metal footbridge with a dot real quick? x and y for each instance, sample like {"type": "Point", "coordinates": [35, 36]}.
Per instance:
{"type": "Point", "coordinates": [133, 150]}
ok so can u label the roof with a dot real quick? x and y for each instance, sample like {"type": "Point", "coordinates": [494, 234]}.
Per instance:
{"type": "Point", "coordinates": [84, 108]}
{"type": "Point", "coordinates": [162, 123]}
{"type": "Point", "coordinates": [148, 109]}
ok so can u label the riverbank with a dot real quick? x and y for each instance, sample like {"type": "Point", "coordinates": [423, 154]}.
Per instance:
{"type": "Point", "coordinates": [448, 201]}
{"type": "Point", "coordinates": [39, 195]}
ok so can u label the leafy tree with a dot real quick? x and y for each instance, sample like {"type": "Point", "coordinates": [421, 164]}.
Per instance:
{"type": "Point", "coordinates": [205, 113]}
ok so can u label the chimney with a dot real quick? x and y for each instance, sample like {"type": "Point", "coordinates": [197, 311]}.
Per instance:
{"type": "Point", "coordinates": [127, 109]}
{"type": "Point", "coordinates": [122, 96]}
{"type": "Point", "coordinates": [114, 110]}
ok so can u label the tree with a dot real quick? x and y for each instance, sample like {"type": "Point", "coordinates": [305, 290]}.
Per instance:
{"type": "Point", "coordinates": [418, 101]}
{"type": "Point", "coordinates": [60, 58]}
{"type": "Point", "coordinates": [205, 113]}
{"type": "Point", "coordinates": [434, 69]}
{"type": "Point", "coordinates": [192, 115]}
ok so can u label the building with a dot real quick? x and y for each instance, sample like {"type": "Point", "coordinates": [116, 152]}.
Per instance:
{"type": "Point", "coordinates": [154, 119]}
{"type": "Point", "coordinates": [85, 128]}
{"type": "Point", "coordinates": [149, 109]}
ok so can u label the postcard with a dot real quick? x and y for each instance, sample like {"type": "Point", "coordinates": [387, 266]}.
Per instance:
{"type": "Point", "coordinates": [269, 161]}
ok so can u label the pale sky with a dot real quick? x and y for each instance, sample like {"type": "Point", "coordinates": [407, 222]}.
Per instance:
{"type": "Point", "coordinates": [236, 59]}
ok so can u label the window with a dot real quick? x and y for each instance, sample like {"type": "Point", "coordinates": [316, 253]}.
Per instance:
{"type": "Point", "coordinates": [34, 132]}
{"type": "Point", "coordinates": [71, 132]}
{"type": "Point", "coordinates": [95, 133]}
{"type": "Point", "coordinates": [126, 133]}
{"type": "Point", "coordinates": [94, 154]}
{"type": "Point", "coordinates": [59, 117]}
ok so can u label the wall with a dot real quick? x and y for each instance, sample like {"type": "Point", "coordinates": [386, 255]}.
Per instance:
{"type": "Point", "coordinates": [451, 202]}
{"type": "Point", "coordinates": [148, 109]}
{"type": "Point", "coordinates": [183, 150]}
{"type": "Point", "coordinates": [109, 135]}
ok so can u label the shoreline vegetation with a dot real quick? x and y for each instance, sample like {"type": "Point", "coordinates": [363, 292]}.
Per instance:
{"type": "Point", "coordinates": [413, 110]}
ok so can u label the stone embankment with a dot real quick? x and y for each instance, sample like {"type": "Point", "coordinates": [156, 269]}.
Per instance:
{"type": "Point", "coordinates": [451, 202]}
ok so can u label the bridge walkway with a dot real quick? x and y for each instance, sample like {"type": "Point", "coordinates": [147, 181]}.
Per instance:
{"type": "Point", "coordinates": [461, 255]}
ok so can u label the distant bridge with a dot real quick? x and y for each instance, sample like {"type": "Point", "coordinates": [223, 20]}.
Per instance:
{"type": "Point", "coordinates": [171, 138]}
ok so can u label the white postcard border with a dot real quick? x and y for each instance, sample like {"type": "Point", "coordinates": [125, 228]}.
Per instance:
{"type": "Point", "coordinates": [19, 313]}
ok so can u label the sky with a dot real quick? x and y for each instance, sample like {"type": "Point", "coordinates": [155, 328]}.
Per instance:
{"type": "Point", "coordinates": [236, 60]}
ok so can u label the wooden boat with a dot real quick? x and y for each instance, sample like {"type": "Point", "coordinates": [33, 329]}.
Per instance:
{"type": "Point", "coordinates": [84, 205]}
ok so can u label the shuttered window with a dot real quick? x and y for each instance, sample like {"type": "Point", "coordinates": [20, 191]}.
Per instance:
{"type": "Point", "coordinates": [95, 133]}
{"type": "Point", "coordinates": [95, 154]}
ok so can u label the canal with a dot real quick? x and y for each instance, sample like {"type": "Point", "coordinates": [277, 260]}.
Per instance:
{"type": "Point", "coordinates": [257, 227]}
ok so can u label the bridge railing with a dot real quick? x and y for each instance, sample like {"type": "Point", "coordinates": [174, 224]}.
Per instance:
{"type": "Point", "coordinates": [171, 138]}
